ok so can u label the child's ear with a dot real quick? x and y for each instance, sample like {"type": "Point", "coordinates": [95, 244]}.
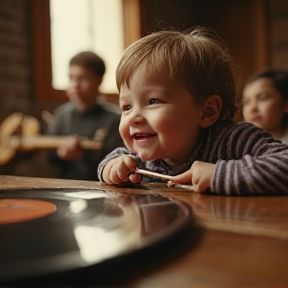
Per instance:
{"type": "Point", "coordinates": [211, 111]}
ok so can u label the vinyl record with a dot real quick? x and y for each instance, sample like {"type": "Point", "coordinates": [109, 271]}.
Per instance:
{"type": "Point", "coordinates": [45, 231]}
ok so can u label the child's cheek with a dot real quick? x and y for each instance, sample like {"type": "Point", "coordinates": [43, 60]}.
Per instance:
{"type": "Point", "coordinates": [125, 134]}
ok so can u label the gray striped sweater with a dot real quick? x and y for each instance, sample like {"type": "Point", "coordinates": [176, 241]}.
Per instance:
{"type": "Point", "coordinates": [248, 160]}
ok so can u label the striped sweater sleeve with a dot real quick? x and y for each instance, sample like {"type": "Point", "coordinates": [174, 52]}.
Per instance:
{"type": "Point", "coordinates": [254, 163]}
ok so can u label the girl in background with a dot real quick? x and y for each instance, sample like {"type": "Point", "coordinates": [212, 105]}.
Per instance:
{"type": "Point", "coordinates": [265, 102]}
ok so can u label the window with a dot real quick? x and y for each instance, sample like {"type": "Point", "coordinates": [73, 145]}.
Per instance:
{"type": "Point", "coordinates": [91, 27]}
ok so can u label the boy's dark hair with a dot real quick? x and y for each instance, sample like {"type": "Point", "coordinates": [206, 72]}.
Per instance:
{"type": "Point", "coordinates": [278, 77]}
{"type": "Point", "coordinates": [196, 58]}
{"type": "Point", "coordinates": [91, 61]}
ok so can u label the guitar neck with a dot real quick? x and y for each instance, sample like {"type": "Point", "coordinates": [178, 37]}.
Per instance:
{"type": "Point", "coordinates": [49, 142]}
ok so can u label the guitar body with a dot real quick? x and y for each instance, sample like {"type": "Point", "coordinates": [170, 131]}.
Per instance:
{"type": "Point", "coordinates": [15, 124]}
{"type": "Point", "coordinates": [18, 132]}
{"type": "Point", "coordinates": [18, 123]}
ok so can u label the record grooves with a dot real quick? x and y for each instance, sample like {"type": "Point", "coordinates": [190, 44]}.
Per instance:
{"type": "Point", "coordinates": [47, 231]}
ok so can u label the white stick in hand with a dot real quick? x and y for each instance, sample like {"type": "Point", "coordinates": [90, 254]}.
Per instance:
{"type": "Point", "coordinates": [152, 174]}
{"type": "Point", "coordinates": [183, 186]}
{"type": "Point", "coordinates": [165, 177]}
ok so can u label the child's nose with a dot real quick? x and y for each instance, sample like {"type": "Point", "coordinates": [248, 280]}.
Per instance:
{"type": "Point", "coordinates": [253, 105]}
{"type": "Point", "coordinates": [136, 119]}
{"type": "Point", "coordinates": [74, 83]}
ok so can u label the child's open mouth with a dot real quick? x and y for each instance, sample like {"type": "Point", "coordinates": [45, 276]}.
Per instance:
{"type": "Point", "coordinates": [142, 136]}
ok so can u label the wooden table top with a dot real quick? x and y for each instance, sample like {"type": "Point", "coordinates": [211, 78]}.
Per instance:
{"type": "Point", "coordinates": [242, 241]}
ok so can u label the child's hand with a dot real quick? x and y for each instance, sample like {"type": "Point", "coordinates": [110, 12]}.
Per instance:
{"type": "Point", "coordinates": [70, 148]}
{"type": "Point", "coordinates": [120, 170]}
{"type": "Point", "coordinates": [200, 175]}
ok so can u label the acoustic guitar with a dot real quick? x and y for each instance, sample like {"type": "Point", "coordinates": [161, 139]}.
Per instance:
{"type": "Point", "coordinates": [19, 133]}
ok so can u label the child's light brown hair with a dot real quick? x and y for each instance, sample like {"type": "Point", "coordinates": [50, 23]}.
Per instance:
{"type": "Point", "coordinates": [196, 58]}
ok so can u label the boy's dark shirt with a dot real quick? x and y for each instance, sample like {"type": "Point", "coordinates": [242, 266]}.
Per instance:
{"type": "Point", "coordinates": [70, 122]}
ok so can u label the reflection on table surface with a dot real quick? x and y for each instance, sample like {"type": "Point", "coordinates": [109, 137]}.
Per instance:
{"type": "Point", "coordinates": [242, 241]}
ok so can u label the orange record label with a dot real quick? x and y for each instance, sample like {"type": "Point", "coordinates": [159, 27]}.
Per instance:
{"type": "Point", "coordinates": [19, 210]}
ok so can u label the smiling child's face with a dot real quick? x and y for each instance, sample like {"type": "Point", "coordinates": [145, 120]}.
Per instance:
{"type": "Point", "coordinates": [160, 118]}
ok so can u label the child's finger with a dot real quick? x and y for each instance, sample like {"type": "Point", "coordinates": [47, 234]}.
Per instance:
{"type": "Point", "coordinates": [184, 178]}
{"type": "Point", "coordinates": [130, 164]}
{"type": "Point", "coordinates": [135, 178]}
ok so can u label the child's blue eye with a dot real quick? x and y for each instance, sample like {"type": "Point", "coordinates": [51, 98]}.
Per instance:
{"type": "Point", "coordinates": [245, 102]}
{"type": "Point", "coordinates": [126, 107]}
{"type": "Point", "coordinates": [154, 101]}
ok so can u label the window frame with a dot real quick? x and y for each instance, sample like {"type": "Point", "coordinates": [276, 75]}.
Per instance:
{"type": "Point", "coordinates": [41, 35]}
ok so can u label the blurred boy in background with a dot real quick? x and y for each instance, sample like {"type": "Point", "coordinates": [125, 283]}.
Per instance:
{"type": "Point", "coordinates": [81, 117]}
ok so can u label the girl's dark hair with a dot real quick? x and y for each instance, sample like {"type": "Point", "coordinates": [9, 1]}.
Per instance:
{"type": "Point", "coordinates": [91, 61]}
